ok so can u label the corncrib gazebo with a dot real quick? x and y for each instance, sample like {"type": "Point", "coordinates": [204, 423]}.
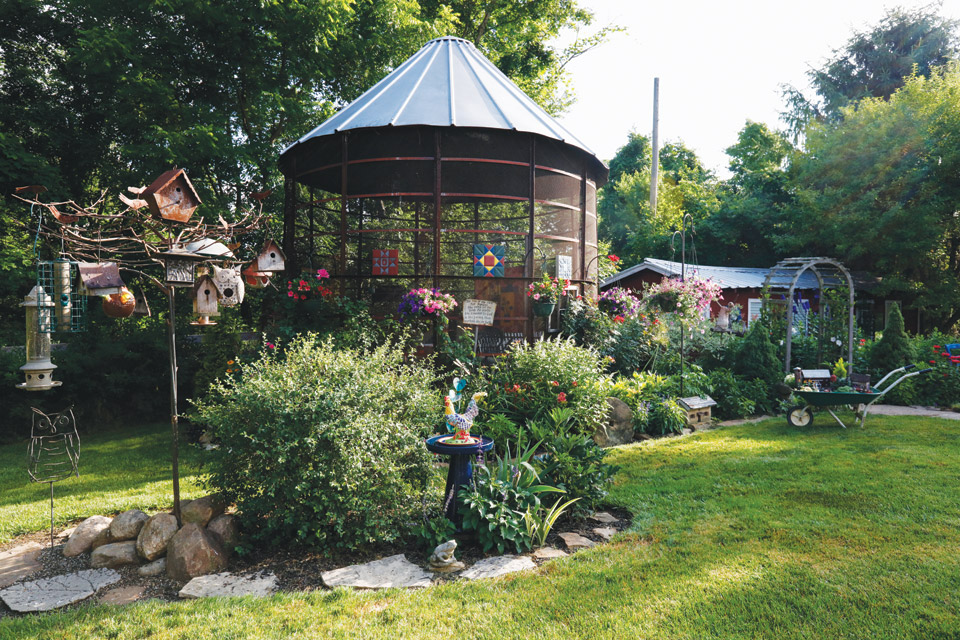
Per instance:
{"type": "Point", "coordinates": [442, 160]}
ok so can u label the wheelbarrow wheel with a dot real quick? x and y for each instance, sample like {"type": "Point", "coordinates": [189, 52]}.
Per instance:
{"type": "Point", "coordinates": [800, 416]}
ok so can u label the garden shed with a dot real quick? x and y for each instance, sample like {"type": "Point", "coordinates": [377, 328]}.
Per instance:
{"type": "Point", "coordinates": [443, 174]}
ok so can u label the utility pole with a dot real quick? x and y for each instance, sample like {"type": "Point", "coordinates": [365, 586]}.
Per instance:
{"type": "Point", "coordinates": [655, 164]}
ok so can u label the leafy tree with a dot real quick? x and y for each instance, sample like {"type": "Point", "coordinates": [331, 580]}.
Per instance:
{"type": "Point", "coordinates": [875, 63]}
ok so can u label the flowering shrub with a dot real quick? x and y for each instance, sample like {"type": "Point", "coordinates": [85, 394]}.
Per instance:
{"type": "Point", "coordinates": [308, 288]}
{"type": "Point", "coordinates": [548, 289]}
{"type": "Point", "coordinates": [632, 341]}
{"type": "Point", "coordinates": [689, 298]}
{"type": "Point", "coordinates": [618, 302]}
{"type": "Point", "coordinates": [425, 303]}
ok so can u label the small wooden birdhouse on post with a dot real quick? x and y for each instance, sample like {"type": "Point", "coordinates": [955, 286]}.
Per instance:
{"type": "Point", "coordinates": [271, 258]}
{"type": "Point", "coordinates": [205, 299]}
{"type": "Point", "coordinates": [171, 197]}
{"type": "Point", "coordinates": [698, 410]}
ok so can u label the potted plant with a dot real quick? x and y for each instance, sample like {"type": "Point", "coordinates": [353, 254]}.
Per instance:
{"type": "Point", "coordinates": [546, 294]}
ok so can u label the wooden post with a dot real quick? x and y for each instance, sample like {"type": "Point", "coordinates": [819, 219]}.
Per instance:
{"type": "Point", "coordinates": [174, 419]}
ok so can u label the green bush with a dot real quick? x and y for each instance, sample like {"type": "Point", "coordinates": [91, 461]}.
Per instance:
{"type": "Point", "coordinates": [731, 394]}
{"type": "Point", "coordinates": [894, 348]}
{"type": "Point", "coordinates": [531, 380]}
{"type": "Point", "coordinates": [758, 357]}
{"type": "Point", "coordinates": [323, 446]}
{"type": "Point", "coordinates": [666, 417]}
{"type": "Point", "coordinates": [631, 344]}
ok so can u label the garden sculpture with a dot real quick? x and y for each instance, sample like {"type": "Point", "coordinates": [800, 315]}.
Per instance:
{"type": "Point", "coordinates": [442, 559]}
{"type": "Point", "coordinates": [54, 450]}
{"type": "Point", "coordinates": [460, 423]}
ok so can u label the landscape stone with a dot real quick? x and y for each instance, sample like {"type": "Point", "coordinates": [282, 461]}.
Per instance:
{"type": "Point", "coordinates": [605, 532]}
{"type": "Point", "coordinates": [104, 537]}
{"type": "Point", "coordinates": [442, 559]}
{"type": "Point", "coordinates": [58, 591]}
{"type": "Point", "coordinates": [115, 554]}
{"type": "Point", "coordinates": [687, 431]}
{"type": "Point", "coordinates": [497, 566]}
{"type": "Point", "coordinates": [192, 552]}
{"type": "Point", "coordinates": [154, 568]}
{"type": "Point", "coordinates": [575, 541]}
{"type": "Point", "coordinates": [602, 517]}
{"type": "Point", "coordinates": [19, 562]}
{"type": "Point", "coordinates": [395, 571]}
{"type": "Point", "coordinates": [155, 535]}
{"type": "Point", "coordinates": [618, 427]}
{"type": "Point", "coordinates": [229, 585]}
{"type": "Point", "coordinates": [227, 529]}
{"type": "Point", "coordinates": [549, 553]}
{"type": "Point", "coordinates": [122, 595]}
{"type": "Point", "coordinates": [83, 536]}
{"type": "Point", "coordinates": [66, 533]}
{"type": "Point", "coordinates": [201, 510]}
{"type": "Point", "coordinates": [127, 525]}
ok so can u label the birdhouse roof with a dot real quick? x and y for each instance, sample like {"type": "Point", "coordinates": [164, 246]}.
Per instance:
{"type": "Point", "coordinates": [100, 275]}
{"type": "Point", "coordinates": [205, 279]}
{"type": "Point", "coordinates": [165, 179]}
{"type": "Point", "coordinates": [267, 247]}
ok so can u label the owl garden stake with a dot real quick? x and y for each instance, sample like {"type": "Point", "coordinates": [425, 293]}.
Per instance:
{"type": "Point", "coordinates": [54, 450]}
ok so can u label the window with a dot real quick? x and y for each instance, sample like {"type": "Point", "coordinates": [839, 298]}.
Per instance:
{"type": "Point", "coordinates": [754, 307]}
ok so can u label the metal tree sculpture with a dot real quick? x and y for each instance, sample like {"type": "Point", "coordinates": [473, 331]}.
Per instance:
{"type": "Point", "coordinates": [139, 242]}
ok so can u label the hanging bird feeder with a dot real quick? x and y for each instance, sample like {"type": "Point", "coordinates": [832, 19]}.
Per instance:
{"type": "Point", "coordinates": [119, 305]}
{"type": "Point", "coordinates": [99, 278]}
{"type": "Point", "coordinates": [255, 279]}
{"type": "Point", "coordinates": [55, 278]}
{"type": "Point", "coordinates": [38, 368]}
{"type": "Point", "coordinates": [179, 266]}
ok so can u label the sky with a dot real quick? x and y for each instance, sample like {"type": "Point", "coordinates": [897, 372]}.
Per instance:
{"type": "Point", "coordinates": [719, 63]}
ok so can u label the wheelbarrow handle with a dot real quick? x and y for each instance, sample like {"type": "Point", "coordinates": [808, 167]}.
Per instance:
{"type": "Point", "coordinates": [924, 370]}
{"type": "Point", "coordinates": [913, 366]}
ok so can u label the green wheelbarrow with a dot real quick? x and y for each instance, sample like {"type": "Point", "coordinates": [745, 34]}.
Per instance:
{"type": "Point", "coordinates": [801, 415]}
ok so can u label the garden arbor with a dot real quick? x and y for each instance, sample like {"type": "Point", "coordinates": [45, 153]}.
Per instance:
{"type": "Point", "coordinates": [440, 160]}
{"type": "Point", "coordinates": [781, 283]}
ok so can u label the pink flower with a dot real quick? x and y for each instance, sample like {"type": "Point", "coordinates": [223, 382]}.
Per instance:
{"type": "Point", "coordinates": [322, 273]}
{"type": "Point", "coordinates": [561, 397]}
{"type": "Point", "coordinates": [536, 296]}
{"type": "Point", "coordinates": [290, 294]}
{"type": "Point", "coordinates": [270, 345]}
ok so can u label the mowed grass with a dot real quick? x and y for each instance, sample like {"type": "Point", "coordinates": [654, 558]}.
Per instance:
{"type": "Point", "coordinates": [119, 469]}
{"type": "Point", "coordinates": [754, 531]}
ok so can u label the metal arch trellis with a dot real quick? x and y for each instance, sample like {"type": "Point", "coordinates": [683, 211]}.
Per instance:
{"type": "Point", "coordinates": [783, 278]}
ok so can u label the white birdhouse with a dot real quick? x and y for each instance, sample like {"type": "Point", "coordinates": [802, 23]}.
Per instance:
{"type": "Point", "coordinates": [205, 296]}
{"type": "Point", "coordinates": [229, 285]}
{"type": "Point", "coordinates": [271, 258]}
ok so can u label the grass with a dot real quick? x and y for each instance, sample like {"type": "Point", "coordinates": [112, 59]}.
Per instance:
{"type": "Point", "coordinates": [754, 531]}
{"type": "Point", "coordinates": [119, 470]}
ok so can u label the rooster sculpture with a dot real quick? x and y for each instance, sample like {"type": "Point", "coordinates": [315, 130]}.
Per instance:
{"type": "Point", "coordinates": [460, 423]}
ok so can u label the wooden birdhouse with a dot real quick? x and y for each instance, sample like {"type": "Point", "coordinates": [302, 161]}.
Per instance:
{"type": "Point", "coordinates": [271, 258]}
{"type": "Point", "coordinates": [172, 197]}
{"type": "Point", "coordinates": [205, 297]}
{"type": "Point", "coordinates": [698, 410]}
{"type": "Point", "coordinates": [99, 278]}
{"type": "Point", "coordinates": [229, 285]}
{"type": "Point", "coordinates": [255, 279]}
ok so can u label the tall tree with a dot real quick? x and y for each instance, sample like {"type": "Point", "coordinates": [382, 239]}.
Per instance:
{"type": "Point", "coordinates": [875, 63]}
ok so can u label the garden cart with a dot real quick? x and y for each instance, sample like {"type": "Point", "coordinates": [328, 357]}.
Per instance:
{"type": "Point", "coordinates": [801, 415]}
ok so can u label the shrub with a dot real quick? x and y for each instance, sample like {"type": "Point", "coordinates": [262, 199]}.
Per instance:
{"type": "Point", "coordinates": [323, 446]}
{"type": "Point", "coordinates": [630, 343]}
{"type": "Point", "coordinates": [758, 357]}
{"type": "Point", "coordinates": [732, 395]}
{"type": "Point", "coordinates": [666, 417]}
{"type": "Point", "coordinates": [894, 349]}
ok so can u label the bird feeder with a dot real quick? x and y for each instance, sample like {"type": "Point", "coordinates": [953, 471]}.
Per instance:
{"type": "Point", "coordinates": [38, 368]}
{"type": "Point", "coordinates": [171, 197]}
{"type": "Point", "coordinates": [55, 279]}
{"type": "Point", "coordinates": [271, 258]}
{"type": "Point", "coordinates": [179, 266]}
{"type": "Point", "coordinates": [229, 285]}
{"type": "Point", "coordinates": [99, 278]}
{"type": "Point", "coordinates": [255, 279]}
{"type": "Point", "coordinates": [119, 305]}
{"type": "Point", "coordinates": [205, 297]}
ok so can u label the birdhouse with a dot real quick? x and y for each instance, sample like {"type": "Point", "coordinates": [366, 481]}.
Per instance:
{"type": "Point", "coordinates": [229, 285]}
{"type": "Point", "coordinates": [205, 297]}
{"type": "Point", "coordinates": [255, 279]}
{"type": "Point", "coordinates": [99, 278]}
{"type": "Point", "coordinates": [698, 410]}
{"type": "Point", "coordinates": [38, 368]}
{"type": "Point", "coordinates": [141, 306]}
{"type": "Point", "coordinates": [171, 197]}
{"type": "Point", "coordinates": [179, 267]}
{"type": "Point", "coordinates": [271, 258]}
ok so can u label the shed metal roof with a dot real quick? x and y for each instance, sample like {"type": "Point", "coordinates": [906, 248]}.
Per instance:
{"type": "Point", "coordinates": [726, 277]}
{"type": "Point", "coordinates": [447, 83]}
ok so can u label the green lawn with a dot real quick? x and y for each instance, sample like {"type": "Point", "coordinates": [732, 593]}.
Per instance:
{"type": "Point", "coordinates": [755, 531]}
{"type": "Point", "coordinates": [119, 470]}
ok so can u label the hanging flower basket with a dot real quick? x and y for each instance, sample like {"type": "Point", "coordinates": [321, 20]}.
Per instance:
{"type": "Point", "coordinates": [543, 309]}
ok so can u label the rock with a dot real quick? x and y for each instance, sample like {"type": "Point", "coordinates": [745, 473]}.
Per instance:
{"type": "Point", "coordinates": [395, 571]}
{"type": "Point", "coordinates": [19, 562]}
{"type": "Point", "coordinates": [549, 553]}
{"type": "Point", "coordinates": [58, 591]}
{"type": "Point", "coordinates": [122, 595]}
{"type": "Point", "coordinates": [605, 532]}
{"type": "Point", "coordinates": [228, 585]}
{"type": "Point", "coordinates": [602, 517]}
{"type": "Point", "coordinates": [498, 566]}
{"type": "Point", "coordinates": [227, 530]}
{"type": "Point", "coordinates": [66, 533]}
{"type": "Point", "coordinates": [84, 535]}
{"type": "Point", "coordinates": [575, 541]}
{"type": "Point", "coordinates": [104, 537]}
{"type": "Point", "coordinates": [154, 568]}
{"type": "Point", "coordinates": [442, 559]}
{"type": "Point", "coordinates": [115, 554]}
{"type": "Point", "coordinates": [154, 536]}
{"type": "Point", "coordinates": [618, 429]}
{"type": "Point", "coordinates": [193, 552]}
{"type": "Point", "coordinates": [128, 524]}
{"type": "Point", "coordinates": [686, 431]}
{"type": "Point", "coordinates": [201, 510]}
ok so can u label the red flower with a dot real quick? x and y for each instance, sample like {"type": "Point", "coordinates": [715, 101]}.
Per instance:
{"type": "Point", "coordinates": [945, 354]}
{"type": "Point", "coordinates": [618, 319]}
{"type": "Point", "coordinates": [555, 383]}
{"type": "Point", "coordinates": [933, 362]}
{"type": "Point", "coordinates": [574, 383]}
{"type": "Point", "coordinates": [936, 347]}
{"type": "Point", "coordinates": [614, 259]}
{"type": "Point", "coordinates": [561, 397]}
{"type": "Point", "coordinates": [516, 388]}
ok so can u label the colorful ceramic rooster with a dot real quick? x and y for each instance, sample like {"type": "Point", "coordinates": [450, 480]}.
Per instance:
{"type": "Point", "coordinates": [461, 422]}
